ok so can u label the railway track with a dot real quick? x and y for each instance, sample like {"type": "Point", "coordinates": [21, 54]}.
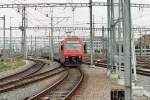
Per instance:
{"type": "Point", "coordinates": [143, 72]}
{"type": "Point", "coordinates": [62, 89]}
{"type": "Point", "coordinates": [7, 86]}
{"type": "Point", "coordinates": [101, 64]}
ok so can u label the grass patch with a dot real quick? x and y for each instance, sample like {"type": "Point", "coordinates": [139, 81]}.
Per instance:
{"type": "Point", "coordinates": [144, 66]}
{"type": "Point", "coordinates": [12, 63]}
{"type": "Point", "coordinates": [141, 65]}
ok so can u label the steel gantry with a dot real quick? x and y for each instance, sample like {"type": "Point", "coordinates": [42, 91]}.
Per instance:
{"type": "Point", "coordinates": [123, 24]}
{"type": "Point", "coordinates": [68, 5]}
{"type": "Point", "coordinates": [134, 29]}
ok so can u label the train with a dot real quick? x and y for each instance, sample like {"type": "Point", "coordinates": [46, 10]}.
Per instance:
{"type": "Point", "coordinates": [70, 51]}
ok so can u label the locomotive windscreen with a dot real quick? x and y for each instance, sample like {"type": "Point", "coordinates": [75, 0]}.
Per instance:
{"type": "Point", "coordinates": [72, 45]}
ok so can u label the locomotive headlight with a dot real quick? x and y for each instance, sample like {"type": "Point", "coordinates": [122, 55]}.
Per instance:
{"type": "Point", "coordinates": [66, 56]}
{"type": "Point", "coordinates": [79, 56]}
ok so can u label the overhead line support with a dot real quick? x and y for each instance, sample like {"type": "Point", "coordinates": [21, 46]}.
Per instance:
{"type": "Point", "coordinates": [23, 29]}
{"type": "Point", "coordinates": [68, 5]}
{"type": "Point", "coordinates": [91, 32]}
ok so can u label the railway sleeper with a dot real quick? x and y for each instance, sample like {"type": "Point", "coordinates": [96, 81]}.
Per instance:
{"type": "Point", "coordinates": [58, 94]}
{"type": "Point", "coordinates": [62, 89]}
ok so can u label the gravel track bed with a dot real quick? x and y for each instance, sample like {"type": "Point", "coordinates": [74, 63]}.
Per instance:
{"type": "Point", "coordinates": [144, 81]}
{"type": "Point", "coordinates": [96, 85]}
{"type": "Point", "coordinates": [48, 67]}
{"type": "Point", "coordinates": [19, 69]}
{"type": "Point", "coordinates": [66, 86]}
{"type": "Point", "coordinates": [22, 93]}
{"type": "Point", "coordinates": [140, 98]}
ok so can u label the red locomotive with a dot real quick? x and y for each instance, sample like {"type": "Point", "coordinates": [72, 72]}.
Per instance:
{"type": "Point", "coordinates": [72, 51]}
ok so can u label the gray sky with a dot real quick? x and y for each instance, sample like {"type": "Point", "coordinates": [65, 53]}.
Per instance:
{"type": "Point", "coordinates": [140, 16]}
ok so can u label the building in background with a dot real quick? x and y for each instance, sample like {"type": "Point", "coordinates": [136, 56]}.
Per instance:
{"type": "Point", "coordinates": [143, 41]}
{"type": "Point", "coordinates": [143, 45]}
{"type": "Point", "coordinates": [99, 43]}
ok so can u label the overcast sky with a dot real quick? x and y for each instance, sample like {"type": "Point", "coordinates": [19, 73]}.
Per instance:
{"type": "Point", "coordinates": [37, 16]}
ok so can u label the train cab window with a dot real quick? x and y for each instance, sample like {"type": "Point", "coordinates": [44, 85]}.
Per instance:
{"type": "Point", "coordinates": [85, 47]}
{"type": "Point", "coordinates": [62, 47]}
{"type": "Point", "coordinates": [72, 45]}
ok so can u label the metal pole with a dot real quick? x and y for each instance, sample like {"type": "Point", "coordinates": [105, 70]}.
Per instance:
{"type": "Point", "coordinates": [25, 44]}
{"type": "Point", "coordinates": [35, 44]}
{"type": "Point", "coordinates": [108, 39]}
{"type": "Point", "coordinates": [91, 32]}
{"type": "Point", "coordinates": [22, 41]}
{"type": "Point", "coordinates": [93, 23]}
{"type": "Point", "coordinates": [31, 45]}
{"type": "Point", "coordinates": [133, 54]}
{"type": "Point", "coordinates": [24, 32]}
{"type": "Point", "coordinates": [126, 14]}
{"type": "Point", "coordinates": [145, 49]}
{"type": "Point", "coordinates": [140, 44]}
{"type": "Point", "coordinates": [112, 35]}
{"type": "Point", "coordinates": [4, 36]}
{"type": "Point", "coordinates": [103, 37]}
{"type": "Point", "coordinates": [73, 20]}
{"type": "Point", "coordinates": [52, 49]}
{"type": "Point", "coordinates": [10, 51]}
{"type": "Point", "coordinates": [119, 37]}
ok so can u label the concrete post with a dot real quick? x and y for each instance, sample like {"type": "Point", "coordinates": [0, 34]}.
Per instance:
{"type": "Point", "coordinates": [112, 31]}
{"type": "Point", "coordinates": [24, 32]}
{"type": "Point", "coordinates": [10, 50]}
{"type": "Point", "coordinates": [91, 33]}
{"type": "Point", "coordinates": [35, 45]}
{"type": "Point", "coordinates": [126, 14]}
{"type": "Point", "coordinates": [4, 36]}
{"type": "Point", "coordinates": [119, 37]}
{"type": "Point", "coordinates": [141, 47]}
{"type": "Point", "coordinates": [103, 37]}
{"type": "Point", "coordinates": [108, 38]}
{"type": "Point", "coordinates": [52, 49]}
{"type": "Point", "coordinates": [31, 46]}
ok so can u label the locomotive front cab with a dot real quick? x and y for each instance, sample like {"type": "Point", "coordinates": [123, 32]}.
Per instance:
{"type": "Point", "coordinates": [73, 52]}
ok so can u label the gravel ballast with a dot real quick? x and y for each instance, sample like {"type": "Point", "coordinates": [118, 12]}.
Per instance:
{"type": "Point", "coordinates": [29, 90]}
{"type": "Point", "coordinates": [96, 85]}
